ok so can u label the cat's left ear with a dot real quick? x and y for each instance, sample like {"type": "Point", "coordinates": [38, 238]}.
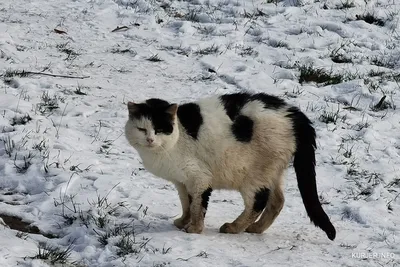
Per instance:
{"type": "Point", "coordinates": [132, 107]}
{"type": "Point", "coordinates": [172, 109]}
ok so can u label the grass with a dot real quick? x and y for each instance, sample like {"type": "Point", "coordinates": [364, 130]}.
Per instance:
{"type": "Point", "coordinates": [340, 58]}
{"type": "Point", "coordinates": [213, 49]}
{"type": "Point", "coordinates": [206, 29]}
{"type": "Point", "coordinates": [295, 93]}
{"type": "Point", "coordinates": [20, 120]}
{"type": "Point", "coordinates": [66, 49]}
{"type": "Point", "coordinates": [26, 163]}
{"type": "Point", "coordinates": [364, 181]}
{"type": "Point", "coordinates": [192, 15]}
{"type": "Point", "coordinates": [48, 103]}
{"type": "Point", "coordinates": [277, 44]}
{"type": "Point", "coordinates": [246, 51]}
{"type": "Point", "coordinates": [117, 230]}
{"type": "Point", "coordinates": [119, 50]}
{"type": "Point", "coordinates": [79, 90]}
{"type": "Point", "coordinates": [128, 244]}
{"type": "Point", "coordinates": [180, 50]}
{"type": "Point", "coordinates": [255, 14]}
{"type": "Point", "coordinates": [9, 73]}
{"type": "Point", "coordinates": [154, 58]}
{"type": "Point", "coordinates": [360, 125]}
{"type": "Point", "coordinates": [53, 254]}
{"type": "Point", "coordinates": [385, 61]}
{"type": "Point", "coordinates": [309, 73]}
{"type": "Point", "coordinates": [346, 4]}
{"type": "Point", "coordinates": [22, 235]}
{"type": "Point", "coordinates": [329, 116]}
{"type": "Point", "coordinates": [381, 105]}
{"type": "Point", "coordinates": [370, 18]}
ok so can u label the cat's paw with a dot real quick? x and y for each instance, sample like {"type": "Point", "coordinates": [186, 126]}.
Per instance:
{"type": "Point", "coordinates": [181, 222]}
{"type": "Point", "coordinates": [254, 229]}
{"type": "Point", "coordinates": [194, 229]}
{"type": "Point", "coordinates": [229, 228]}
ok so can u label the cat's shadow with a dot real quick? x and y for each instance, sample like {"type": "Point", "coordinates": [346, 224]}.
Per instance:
{"type": "Point", "coordinates": [166, 225]}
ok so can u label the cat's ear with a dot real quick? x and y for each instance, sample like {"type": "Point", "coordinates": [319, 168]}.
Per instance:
{"type": "Point", "coordinates": [132, 107]}
{"type": "Point", "coordinates": [172, 109]}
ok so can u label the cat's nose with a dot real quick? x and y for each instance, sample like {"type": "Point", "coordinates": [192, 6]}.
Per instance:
{"type": "Point", "coordinates": [150, 140]}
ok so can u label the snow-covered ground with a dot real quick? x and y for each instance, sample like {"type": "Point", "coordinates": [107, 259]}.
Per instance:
{"type": "Point", "coordinates": [66, 168]}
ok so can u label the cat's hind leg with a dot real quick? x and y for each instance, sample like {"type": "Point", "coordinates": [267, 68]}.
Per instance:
{"type": "Point", "coordinates": [254, 201]}
{"type": "Point", "coordinates": [186, 200]}
{"type": "Point", "coordinates": [274, 207]}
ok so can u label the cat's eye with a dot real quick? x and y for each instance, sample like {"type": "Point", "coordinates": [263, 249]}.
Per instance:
{"type": "Point", "coordinates": [142, 129]}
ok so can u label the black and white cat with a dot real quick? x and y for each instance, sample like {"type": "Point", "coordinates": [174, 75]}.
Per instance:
{"type": "Point", "coordinates": [238, 141]}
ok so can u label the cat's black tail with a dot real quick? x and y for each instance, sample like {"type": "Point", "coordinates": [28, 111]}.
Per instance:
{"type": "Point", "coordinates": [304, 166]}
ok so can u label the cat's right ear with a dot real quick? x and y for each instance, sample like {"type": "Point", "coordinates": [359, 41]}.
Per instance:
{"type": "Point", "coordinates": [132, 108]}
{"type": "Point", "coordinates": [172, 109]}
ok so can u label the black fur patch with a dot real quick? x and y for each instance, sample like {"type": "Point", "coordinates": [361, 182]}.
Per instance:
{"type": "Point", "coordinates": [233, 103]}
{"type": "Point", "coordinates": [205, 197]}
{"type": "Point", "coordinates": [270, 101]}
{"type": "Point", "coordinates": [242, 128]}
{"type": "Point", "coordinates": [190, 199]}
{"type": "Point", "coordinates": [154, 109]}
{"type": "Point", "coordinates": [190, 117]}
{"type": "Point", "coordinates": [261, 199]}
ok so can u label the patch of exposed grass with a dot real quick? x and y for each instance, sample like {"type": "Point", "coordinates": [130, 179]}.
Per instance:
{"type": "Point", "coordinates": [48, 103]}
{"type": "Point", "coordinates": [376, 73]}
{"type": "Point", "coordinates": [370, 18]}
{"type": "Point", "coordinates": [66, 49]}
{"type": "Point", "coordinates": [384, 61]}
{"type": "Point", "coordinates": [178, 49]}
{"type": "Point", "coordinates": [365, 181]}
{"type": "Point", "coordinates": [247, 51]}
{"type": "Point", "coordinates": [128, 244]}
{"type": "Point", "coordinates": [360, 125]}
{"type": "Point", "coordinates": [79, 90]}
{"type": "Point", "coordinates": [346, 4]}
{"type": "Point", "coordinates": [53, 254]}
{"type": "Point", "coordinates": [339, 54]}
{"type": "Point", "coordinates": [206, 29]}
{"type": "Point", "coordinates": [192, 15]}
{"type": "Point", "coordinates": [119, 50]}
{"type": "Point", "coordinates": [213, 49]}
{"type": "Point", "coordinates": [309, 73]}
{"type": "Point", "coordinates": [9, 73]}
{"type": "Point", "coordinates": [20, 120]}
{"type": "Point", "coordinates": [329, 116]}
{"type": "Point", "coordinates": [381, 105]}
{"type": "Point", "coordinates": [155, 58]}
{"type": "Point", "coordinates": [24, 166]}
{"type": "Point", "coordinates": [340, 58]}
{"type": "Point", "coordinates": [277, 44]}
{"type": "Point", "coordinates": [254, 15]}
{"type": "Point", "coordinates": [9, 145]}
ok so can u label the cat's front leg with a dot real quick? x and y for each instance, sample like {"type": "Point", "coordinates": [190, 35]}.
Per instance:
{"type": "Point", "coordinates": [186, 200]}
{"type": "Point", "coordinates": [200, 195]}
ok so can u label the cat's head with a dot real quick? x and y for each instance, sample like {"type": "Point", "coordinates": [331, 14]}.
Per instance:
{"type": "Point", "coordinates": [152, 125]}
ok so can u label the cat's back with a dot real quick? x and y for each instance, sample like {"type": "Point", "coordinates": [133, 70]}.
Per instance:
{"type": "Point", "coordinates": [237, 119]}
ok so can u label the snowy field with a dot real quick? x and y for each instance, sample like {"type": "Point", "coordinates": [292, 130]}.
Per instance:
{"type": "Point", "coordinates": [74, 193]}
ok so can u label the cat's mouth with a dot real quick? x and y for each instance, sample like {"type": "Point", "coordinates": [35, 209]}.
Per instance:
{"type": "Point", "coordinates": [151, 146]}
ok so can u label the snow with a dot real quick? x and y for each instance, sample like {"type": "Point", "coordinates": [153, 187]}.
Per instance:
{"type": "Point", "coordinates": [70, 172]}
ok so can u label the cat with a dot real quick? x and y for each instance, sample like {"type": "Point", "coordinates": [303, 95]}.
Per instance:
{"type": "Point", "coordinates": [241, 141]}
